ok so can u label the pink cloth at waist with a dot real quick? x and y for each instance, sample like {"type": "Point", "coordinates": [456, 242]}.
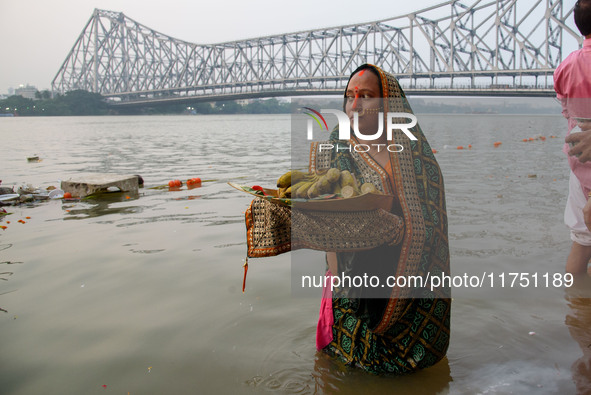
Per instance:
{"type": "Point", "coordinates": [325, 319]}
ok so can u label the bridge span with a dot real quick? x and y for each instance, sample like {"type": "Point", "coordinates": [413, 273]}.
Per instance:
{"type": "Point", "coordinates": [485, 48]}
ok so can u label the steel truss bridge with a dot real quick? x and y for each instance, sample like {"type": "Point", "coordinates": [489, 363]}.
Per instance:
{"type": "Point", "coordinates": [494, 47]}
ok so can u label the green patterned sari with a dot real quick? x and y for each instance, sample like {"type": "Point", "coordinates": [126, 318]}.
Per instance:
{"type": "Point", "coordinates": [408, 329]}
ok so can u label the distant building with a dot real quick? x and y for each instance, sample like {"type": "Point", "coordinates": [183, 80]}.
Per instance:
{"type": "Point", "coordinates": [28, 92]}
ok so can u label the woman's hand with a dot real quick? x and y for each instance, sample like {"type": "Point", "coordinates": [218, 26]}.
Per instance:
{"type": "Point", "coordinates": [582, 141]}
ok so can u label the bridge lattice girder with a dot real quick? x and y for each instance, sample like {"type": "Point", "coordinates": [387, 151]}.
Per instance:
{"type": "Point", "coordinates": [450, 47]}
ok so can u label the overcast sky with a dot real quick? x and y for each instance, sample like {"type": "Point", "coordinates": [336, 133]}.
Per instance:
{"type": "Point", "coordinates": [38, 34]}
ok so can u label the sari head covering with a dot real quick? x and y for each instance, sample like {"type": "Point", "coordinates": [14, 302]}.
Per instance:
{"type": "Point", "coordinates": [408, 328]}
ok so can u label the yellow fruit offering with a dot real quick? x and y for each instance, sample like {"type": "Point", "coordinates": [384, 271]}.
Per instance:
{"type": "Point", "coordinates": [369, 188]}
{"type": "Point", "coordinates": [323, 185]}
{"type": "Point", "coordinates": [313, 191]}
{"type": "Point", "coordinates": [347, 179]}
{"type": "Point", "coordinates": [284, 192]}
{"type": "Point", "coordinates": [297, 176]}
{"type": "Point", "coordinates": [300, 190]}
{"type": "Point", "coordinates": [284, 181]}
{"type": "Point", "coordinates": [298, 184]}
{"type": "Point", "coordinates": [348, 192]}
{"type": "Point", "coordinates": [333, 175]}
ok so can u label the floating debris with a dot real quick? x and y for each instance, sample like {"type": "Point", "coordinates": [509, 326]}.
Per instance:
{"type": "Point", "coordinates": [26, 189]}
{"type": "Point", "coordinates": [193, 182]}
{"type": "Point", "coordinates": [167, 186]}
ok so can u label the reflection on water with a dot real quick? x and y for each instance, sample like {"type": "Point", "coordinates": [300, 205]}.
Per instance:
{"type": "Point", "coordinates": [578, 320]}
{"type": "Point", "coordinates": [327, 375]}
{"type": "Point", "coordinates": [330, 376]}
{"type": "Point", "coordinates": [101, 204]}
{"type": "Point", "coordinates": [4, 276]}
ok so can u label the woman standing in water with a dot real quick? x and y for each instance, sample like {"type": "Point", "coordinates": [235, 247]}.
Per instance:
{"type": "Point", "coordinates": [393, 329]}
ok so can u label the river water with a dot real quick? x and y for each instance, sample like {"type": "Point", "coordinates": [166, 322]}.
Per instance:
{"type": "Point", "coordinates": [143, 295]}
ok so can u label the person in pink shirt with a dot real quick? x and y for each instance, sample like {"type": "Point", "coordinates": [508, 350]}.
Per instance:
{"type": "Point", "coordinates": [572, 83]}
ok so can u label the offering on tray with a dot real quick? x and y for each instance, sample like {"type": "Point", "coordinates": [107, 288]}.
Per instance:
{"type": "Point", "coordinates": [332, 190]}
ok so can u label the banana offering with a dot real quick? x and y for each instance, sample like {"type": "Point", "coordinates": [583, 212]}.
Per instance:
{"type": "Point", "coordinates": [298, 184]}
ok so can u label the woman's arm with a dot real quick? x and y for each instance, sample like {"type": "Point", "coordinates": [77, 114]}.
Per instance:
{"type": "Point", "coordinates": [331, 259]}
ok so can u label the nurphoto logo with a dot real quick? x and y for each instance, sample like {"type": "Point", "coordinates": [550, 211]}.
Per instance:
{"type": "Point", "coordinates": [392, 123]}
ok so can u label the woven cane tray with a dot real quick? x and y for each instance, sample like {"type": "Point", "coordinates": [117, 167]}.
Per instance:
{"type": "Point", "coordinates": [331, 202]}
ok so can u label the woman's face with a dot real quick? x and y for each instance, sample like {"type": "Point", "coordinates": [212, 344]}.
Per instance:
{"type": "Point", "coordinates": [363, 97]}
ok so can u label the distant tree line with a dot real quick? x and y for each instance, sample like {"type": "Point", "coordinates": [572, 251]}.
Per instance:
{"type": "Point", "coordinates": [80, 102]}
{"type": "Point", "coordinates": [258, 106]}
{"type": "Point", "coordinates": [77, 102]}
